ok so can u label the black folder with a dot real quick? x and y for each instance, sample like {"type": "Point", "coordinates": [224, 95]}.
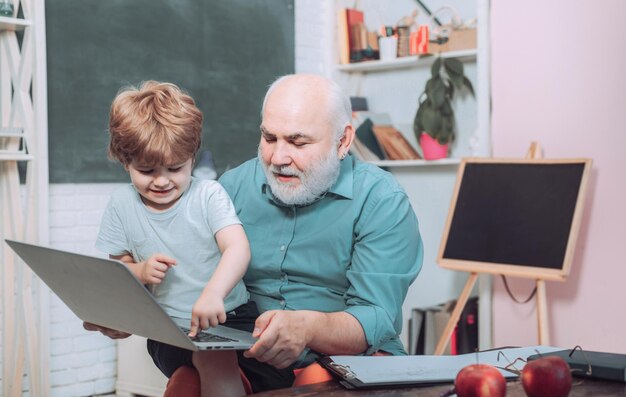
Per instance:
{"type": "Point", "coordinates": [609, 366]}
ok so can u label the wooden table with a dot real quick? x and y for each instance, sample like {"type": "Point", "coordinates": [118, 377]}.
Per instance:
{"type": "Point", "coordinates": [580, 388]}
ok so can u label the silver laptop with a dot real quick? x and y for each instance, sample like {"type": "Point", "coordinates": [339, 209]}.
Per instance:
{"type": "Point", "coordinates": [105, 292]}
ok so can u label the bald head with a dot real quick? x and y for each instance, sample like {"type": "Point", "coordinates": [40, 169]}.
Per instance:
{"type": "Point", "coordinates": [312, 95]}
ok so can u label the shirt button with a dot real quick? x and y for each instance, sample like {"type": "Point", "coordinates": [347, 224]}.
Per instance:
{"type": "Point", "coordinates": [283, 277]}
{"type": "Point", "coordinates": [282, 303]}
{"type": "Point", "coordinates": [282, 247]}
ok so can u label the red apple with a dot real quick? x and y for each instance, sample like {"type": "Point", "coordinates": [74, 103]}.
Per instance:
{"type": "Point", "coordinates": [547, 376]}
{"type": "Point", "coordinates": [480, 380]}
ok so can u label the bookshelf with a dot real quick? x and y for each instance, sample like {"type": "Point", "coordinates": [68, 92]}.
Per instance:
{"type": "Point", "coordinates": [405, 62]}
{"type": "Point", "coordinates": [9, 24]}
{"type": "Point", "coordinates": [393, 87]}
{"type": "Point", "coordinates": [23, 197]}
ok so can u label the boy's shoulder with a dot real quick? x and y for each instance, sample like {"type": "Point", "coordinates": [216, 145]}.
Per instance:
{"type": "Point", "coordinates": [204, 185]}
{"type": "Point", "coordinates": [206, 189]}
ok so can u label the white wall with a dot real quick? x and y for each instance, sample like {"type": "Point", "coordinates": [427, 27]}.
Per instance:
{"type": "Point", "coordinates": [559, 77]}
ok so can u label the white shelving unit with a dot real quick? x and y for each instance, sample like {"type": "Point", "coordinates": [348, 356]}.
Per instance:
{"type": "Point", "coordinates": [394, 87]}
{"type": "Point", "coordinates": [8, 24]}
{"type": "Point", "coordinates": [356, 78]}
{"type": "Point", "coordinates": [404, 62]}
{"type": "Point", "coordinates": [24, 206]}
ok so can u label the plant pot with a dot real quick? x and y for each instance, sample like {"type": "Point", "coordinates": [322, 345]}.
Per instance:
{"type": "Point", "coordinates": [431, 149]}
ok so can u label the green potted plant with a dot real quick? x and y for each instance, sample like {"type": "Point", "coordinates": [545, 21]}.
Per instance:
{"type": "Point", "coordinates": [435, 125]}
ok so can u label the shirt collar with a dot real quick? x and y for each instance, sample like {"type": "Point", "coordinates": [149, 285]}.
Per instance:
{"type": "Point", "coordinates": [343, 186]}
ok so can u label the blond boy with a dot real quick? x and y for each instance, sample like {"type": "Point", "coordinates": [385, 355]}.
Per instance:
{"type": "Point", "coordinates": [179, 235]}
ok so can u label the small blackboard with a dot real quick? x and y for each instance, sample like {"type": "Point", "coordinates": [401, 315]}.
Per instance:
{"type": "Point", "coordinates": [223, 53]}
{"type": "Point", "coordinates": [515, 217]}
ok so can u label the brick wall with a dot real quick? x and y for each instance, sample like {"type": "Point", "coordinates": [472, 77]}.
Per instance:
{"type": "Point", "coordinates": [81, 363]}
{"type": "Point", "coordinates": [84, 363]}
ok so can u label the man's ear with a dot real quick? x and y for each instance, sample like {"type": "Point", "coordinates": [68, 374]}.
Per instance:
{"type": "Point", "coordinates": [346, 141]}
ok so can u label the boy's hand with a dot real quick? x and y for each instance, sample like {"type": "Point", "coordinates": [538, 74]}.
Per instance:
{"type": "Point", "coordinates": [154, 268]}
{"type": "Point", "coordinates": [111, 333]}
{"type": "Point", "coordinates": [208, 311]}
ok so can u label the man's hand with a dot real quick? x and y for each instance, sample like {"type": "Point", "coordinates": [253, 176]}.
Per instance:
{"type": "Point", "coordinates": [153, 270]}
{"type": "Point", "coordinates": [111, 333]}
{"type": "Point", "coordinates": [283, 335]}
{"type": "Point", "coordinates": [208, 311]}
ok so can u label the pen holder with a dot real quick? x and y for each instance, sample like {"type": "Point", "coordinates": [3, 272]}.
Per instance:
{"type": "Point", "coordinates": [388, 47]}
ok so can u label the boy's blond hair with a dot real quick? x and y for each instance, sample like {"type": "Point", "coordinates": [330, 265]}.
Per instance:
{"type": "Point", "coordinates": [155, 123]}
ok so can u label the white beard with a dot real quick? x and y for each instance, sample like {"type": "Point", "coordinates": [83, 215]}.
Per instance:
{"type": "Point", "coordinates": [314, 182]}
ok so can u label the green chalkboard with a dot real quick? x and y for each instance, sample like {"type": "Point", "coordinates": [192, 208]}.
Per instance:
{"type": "Point", "coordinates": [223, 52]}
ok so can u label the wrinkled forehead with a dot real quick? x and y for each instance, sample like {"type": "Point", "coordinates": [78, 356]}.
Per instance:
{"type": "Point", "coordinates": [296, 112]}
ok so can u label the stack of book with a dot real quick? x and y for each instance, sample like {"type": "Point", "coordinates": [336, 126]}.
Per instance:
{"type": "Point", "coordinates": [377, 139]}
{"type": "Point", "coordinates": [356, 43]}
{"type": "Point", "coordinates": [426, 326]}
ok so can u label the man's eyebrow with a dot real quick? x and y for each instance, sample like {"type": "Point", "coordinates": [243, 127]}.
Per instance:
{"type": "Point", "coordinates": [291, 137]}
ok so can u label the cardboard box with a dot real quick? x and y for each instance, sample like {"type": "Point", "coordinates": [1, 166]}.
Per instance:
{"type": "Point", "coordinates": [458, 40]}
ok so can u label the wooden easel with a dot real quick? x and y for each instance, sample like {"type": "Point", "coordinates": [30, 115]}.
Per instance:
{"type": "Point", "coordinates": [534, 152]}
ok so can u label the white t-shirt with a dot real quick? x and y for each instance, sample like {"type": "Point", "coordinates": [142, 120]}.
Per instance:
{"type": "Point", "coordinates": [185, 232]}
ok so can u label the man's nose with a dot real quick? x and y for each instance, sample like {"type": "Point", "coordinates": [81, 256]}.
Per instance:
{"type": "Point", "coordinates": [281, 154]}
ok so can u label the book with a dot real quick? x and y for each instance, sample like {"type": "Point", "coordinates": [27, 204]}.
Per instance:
{"type": "Point", "coordinates": [441, 318]}
{"type": "Point", "coordinates": [416, 331]}
{"type": "Point", "coordinates": [366, 136]}
{"type": "Point", "coordinates": [355, 22]}
{"type": "Point", "coordinates": [464, 338]}
{"type": "Point", "coordinates": [343, 38]}
{"type": "Point", "coordinates": [362, 151]}
{"type": "Point", "coordinates": [430, 331]}
{"type": "Point", "coordinates": [467, 328]}
{"type": "Point", "coordinates": [394, 144]}
{"type": "Point", "coordinates": [453, 348]}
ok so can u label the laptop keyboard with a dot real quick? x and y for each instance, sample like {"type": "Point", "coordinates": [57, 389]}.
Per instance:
{"type": "Point", "coordinates": [206, 336]}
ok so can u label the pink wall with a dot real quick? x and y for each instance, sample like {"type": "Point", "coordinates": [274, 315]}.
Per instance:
{"type": "Point", "coordinates": [559, 77]}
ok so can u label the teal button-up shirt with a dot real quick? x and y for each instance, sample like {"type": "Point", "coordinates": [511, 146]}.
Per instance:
{"type": "Point", "coordinates": [357, 249]}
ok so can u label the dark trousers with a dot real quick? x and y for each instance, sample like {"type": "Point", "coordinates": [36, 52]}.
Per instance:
{"type": "Point", "coordinates": [261, 376]}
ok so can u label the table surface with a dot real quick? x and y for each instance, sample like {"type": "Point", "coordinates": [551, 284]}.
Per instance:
{"type": "Point", "coordinates": [580, 388]}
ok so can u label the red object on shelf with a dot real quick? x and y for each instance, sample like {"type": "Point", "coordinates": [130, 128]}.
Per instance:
{"type": "Point", "coordinates": [419, 40]}
{"type": "Point", "coordinates": [431, 149]}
